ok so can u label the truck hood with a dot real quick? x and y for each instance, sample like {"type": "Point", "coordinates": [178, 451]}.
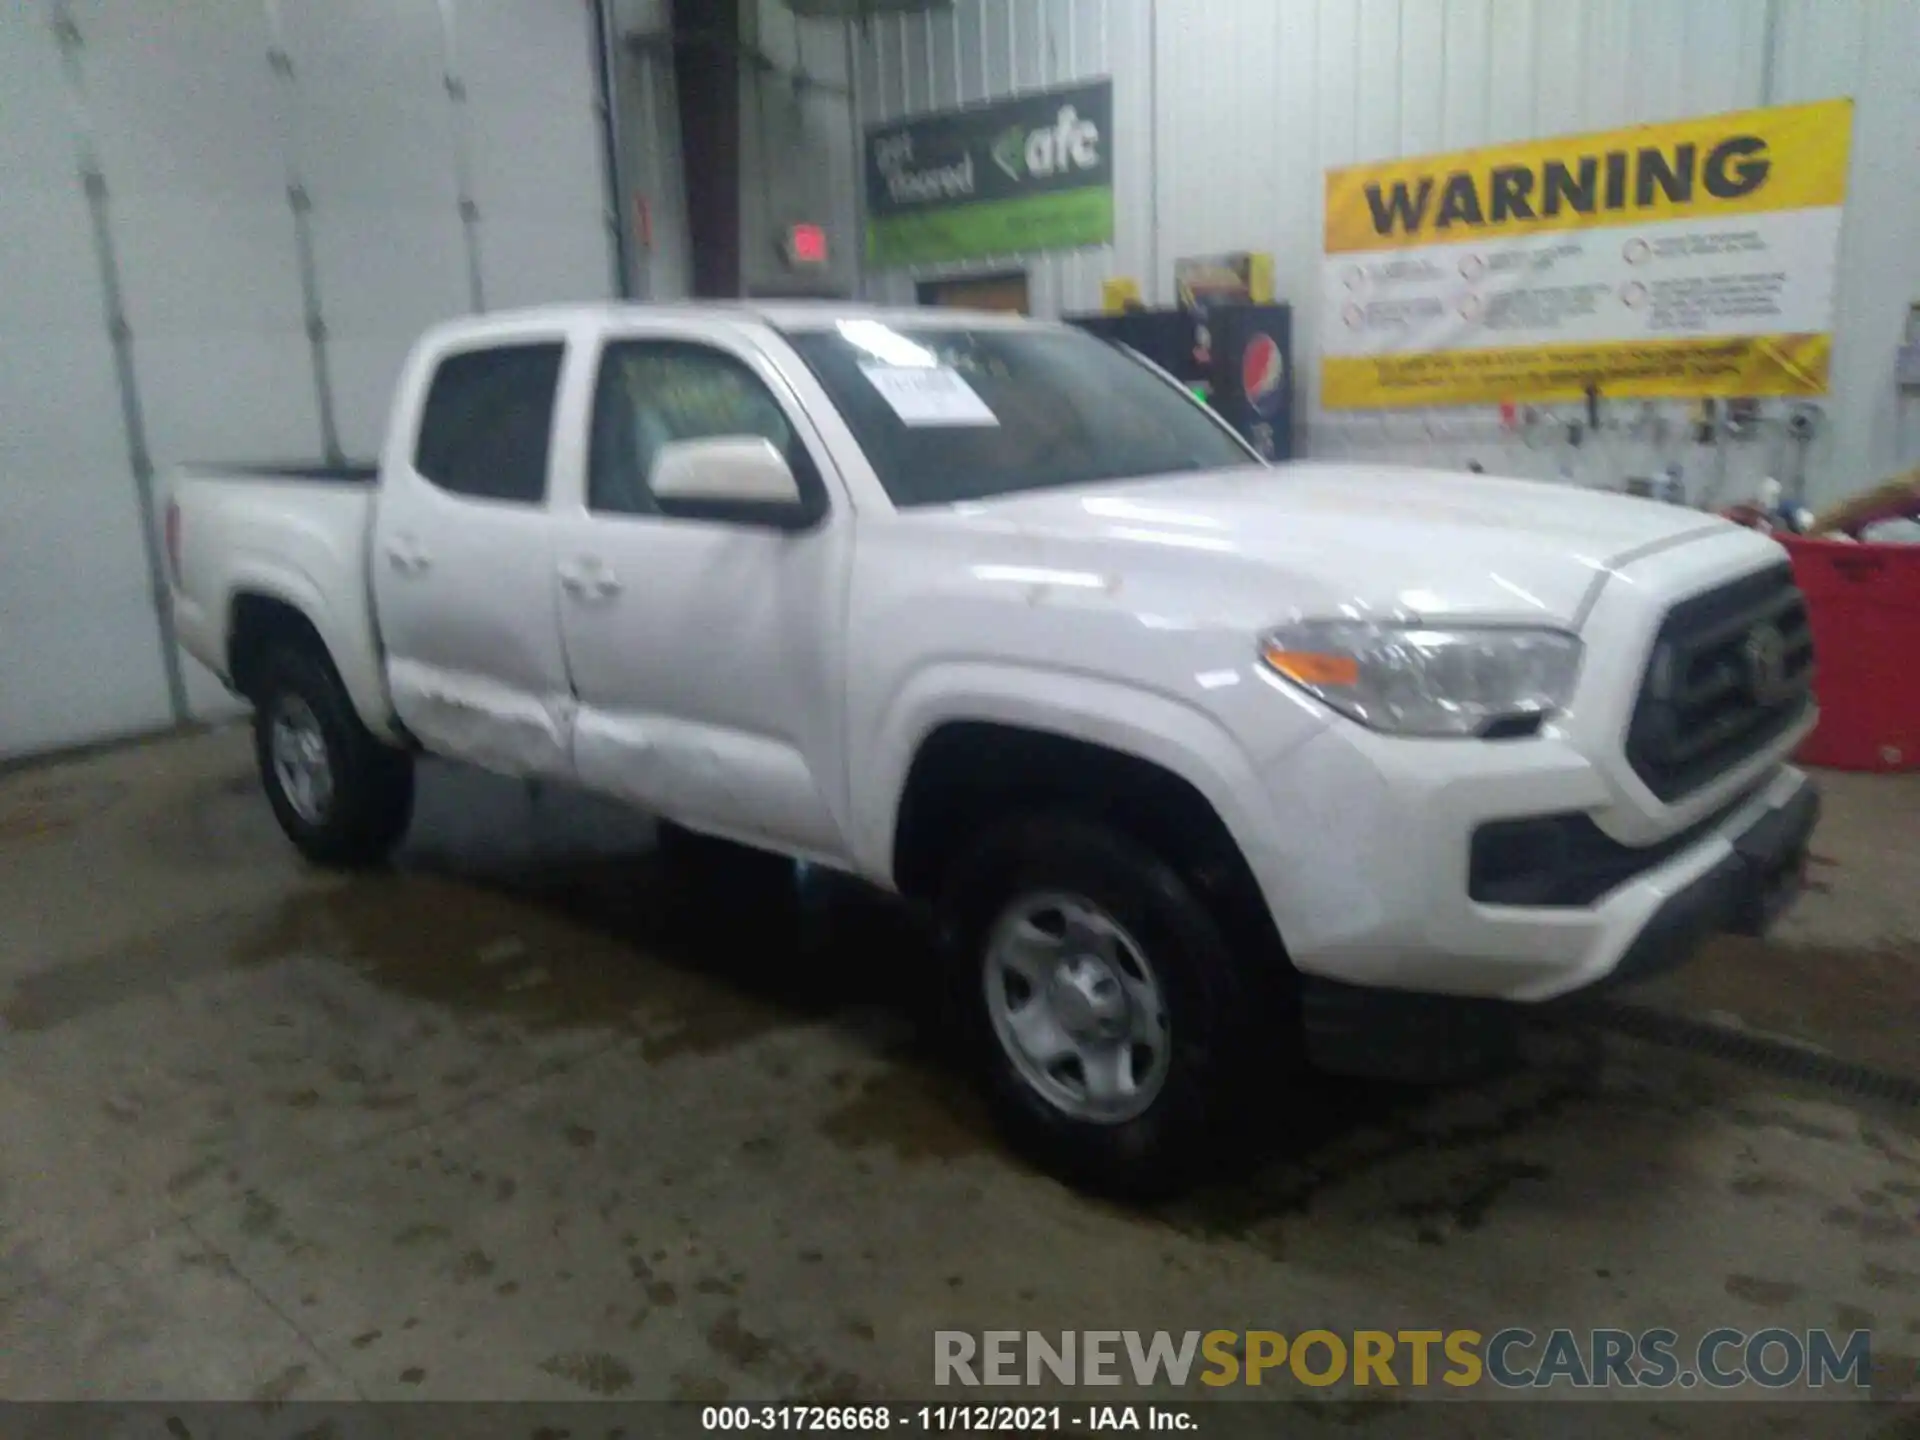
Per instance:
{"type": "Point", "coordinates": [1426, 543]}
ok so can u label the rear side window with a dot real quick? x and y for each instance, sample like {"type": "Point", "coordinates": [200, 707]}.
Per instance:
{"type": "Point", "coordinates": [487, 423]}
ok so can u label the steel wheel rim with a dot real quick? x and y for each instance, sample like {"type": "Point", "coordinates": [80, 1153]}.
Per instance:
{"type": "Point", "coordinates": [301, 763]}
{"type": "Point", "coordinates": [1077, 1008]}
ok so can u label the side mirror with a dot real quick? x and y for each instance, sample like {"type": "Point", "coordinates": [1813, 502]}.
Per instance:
{"type": "Point", "coordinates": [738, 478]}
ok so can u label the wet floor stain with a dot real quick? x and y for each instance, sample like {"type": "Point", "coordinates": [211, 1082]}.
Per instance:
{"type": "Point", "coordinates": [597, 1373]}
{"type": "Point", "coordinates": [258, 1215]}
{"type": "Point", "coordinates": [608, 942]}
{"type": "Point", "coordinates": [916, 1112]}
{"type": "Point", "coordinates": [1896, 1376]}
{"type": "Point", "coordinates": [47, 999]}
{"type": "Point", "coordinates": [473, 1265]}
{"type": "Point", "coordinates": [658, 1291]}
{"type": "Point", "coordinates": [1868, 1225]}
{"type": "Point", "coordinates": [1780, 1119]}
{"type": "Point", "coordinates": [1763, 1187]}
{"type": "Point", "coordinates": [1886, 1277]}
{"type": "Point", "coordinates": [1474, 1194]}
{"type": "Point", "coordinates": [1444, 1154]}
{"type": "Point", "coordinates": [730, 1338]}
{"type": "Point", "coordinates": [186, 1178]}
{"type": "Point", "coordinates": [282, 1386]}
{"type": "Point", "coordinates": [697, 1389]}
{"type": "Point", "coordinates": [1768, 1294]}
{"type": "Point", "coordinates": [1853, 1002]}
{"type": "Point", "coordinates": [44, 809]}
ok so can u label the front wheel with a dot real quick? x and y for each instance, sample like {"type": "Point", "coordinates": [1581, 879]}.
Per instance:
{"type": "Point", "coordinates": [1107, 1010]}
{"type": "Point", "coordinates": [342, 797]}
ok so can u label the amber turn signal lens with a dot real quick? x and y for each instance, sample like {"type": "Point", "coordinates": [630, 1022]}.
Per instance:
{"type": "Point", "coordinates": [1310, 668]}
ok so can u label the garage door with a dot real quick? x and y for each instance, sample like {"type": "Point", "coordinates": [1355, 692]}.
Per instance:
{"type": "Point", "coordinates": [225, 223]}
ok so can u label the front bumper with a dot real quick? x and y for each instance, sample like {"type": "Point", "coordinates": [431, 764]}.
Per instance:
{"type": "Point", "coordinates": [1406, 1035]}
{"type": "Point", "coordinates": [1368, 874]}
{"type": "Point", "coordinates": [1745, 892]}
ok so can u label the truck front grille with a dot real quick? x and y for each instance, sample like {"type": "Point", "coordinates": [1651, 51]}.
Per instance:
{"type": "Point", "coordinates": [1731, 672]}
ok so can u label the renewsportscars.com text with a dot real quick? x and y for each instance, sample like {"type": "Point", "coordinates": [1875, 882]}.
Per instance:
{"type": "Point", "coordinates": [1512, 1358]}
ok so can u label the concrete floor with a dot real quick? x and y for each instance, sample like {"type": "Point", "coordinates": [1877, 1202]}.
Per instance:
{"type": "Point", "coordinates": [511, 1123]}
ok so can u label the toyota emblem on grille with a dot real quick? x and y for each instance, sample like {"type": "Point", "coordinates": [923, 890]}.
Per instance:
{"type": "Point", "coordinates": [1765, 653]}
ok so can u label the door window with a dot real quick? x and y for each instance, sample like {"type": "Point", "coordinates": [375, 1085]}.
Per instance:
{"type": "Point", "coordinates": [487, 423]}
{"type": "Point", "coordinates": [652, 393]}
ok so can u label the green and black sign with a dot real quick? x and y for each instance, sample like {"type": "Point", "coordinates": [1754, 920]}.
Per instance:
{"type": "Point", "coordinates": [1034, 173]}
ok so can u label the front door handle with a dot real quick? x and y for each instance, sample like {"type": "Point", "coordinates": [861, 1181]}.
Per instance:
{"type": "Point", "coordinates": [588, 579]}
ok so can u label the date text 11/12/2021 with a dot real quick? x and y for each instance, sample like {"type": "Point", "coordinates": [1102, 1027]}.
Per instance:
{"type": "Point", "coordinates": [945, 1419]}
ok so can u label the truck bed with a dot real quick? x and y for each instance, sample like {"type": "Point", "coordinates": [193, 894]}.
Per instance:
{"type": "Point", "coordinates": [296, 534]}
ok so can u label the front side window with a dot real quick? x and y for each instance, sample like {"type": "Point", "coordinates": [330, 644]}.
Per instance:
{"type": "Point", "coordinates": [488, 421]}
{"type": "Point", "coordinates": [652, 393]}
{"type": "Point", "coordinates": [947, 413]}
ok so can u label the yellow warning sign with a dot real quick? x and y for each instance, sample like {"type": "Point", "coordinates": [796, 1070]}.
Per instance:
{"type": "Point", "coordinates": [1692, 258]}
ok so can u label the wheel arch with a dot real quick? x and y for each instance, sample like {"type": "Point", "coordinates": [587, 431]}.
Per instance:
{"type": "Point", "coordinates": [263, 613]}
{"type": "Point", "coordinates": [968, 773]}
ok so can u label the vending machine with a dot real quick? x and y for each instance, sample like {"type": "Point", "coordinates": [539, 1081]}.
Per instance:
{"type": "Point", "coordinates": [1236, 357]}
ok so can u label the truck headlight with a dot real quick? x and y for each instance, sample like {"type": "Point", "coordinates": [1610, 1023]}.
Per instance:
{"type": "Point", "coordinates": [1413, 679]}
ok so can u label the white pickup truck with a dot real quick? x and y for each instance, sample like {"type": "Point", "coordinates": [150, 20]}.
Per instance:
{"type": "Point", "coordinates": [1204, 765]}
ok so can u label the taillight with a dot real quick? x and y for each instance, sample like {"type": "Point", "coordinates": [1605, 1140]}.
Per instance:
{"type": "Point", "coordinates": [173, 541]}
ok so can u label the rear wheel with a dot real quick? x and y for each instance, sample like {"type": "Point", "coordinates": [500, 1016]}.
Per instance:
{"type": "Point", "coordinates": [341, 796]}
{"type": "Point", "coordinates": [1106, 1008]}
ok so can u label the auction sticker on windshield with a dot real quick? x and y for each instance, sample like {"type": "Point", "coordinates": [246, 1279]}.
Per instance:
{"type": "Point", "coordinates": [929, 395]}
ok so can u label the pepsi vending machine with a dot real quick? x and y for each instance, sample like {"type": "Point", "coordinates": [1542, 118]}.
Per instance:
{"type": "Point", "coordinates": [1238, 358]}
{"type": "Point", "coordinates": [1251, 388]}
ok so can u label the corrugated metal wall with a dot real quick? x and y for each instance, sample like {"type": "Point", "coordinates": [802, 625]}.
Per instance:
{"type": "Point", "coordinates": [225, 222]}
{"type": "Point", "coordinates": [1228, 112]}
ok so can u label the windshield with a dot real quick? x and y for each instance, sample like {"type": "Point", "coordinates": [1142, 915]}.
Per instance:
{"type": "Point", "coordinates": [946, 413]}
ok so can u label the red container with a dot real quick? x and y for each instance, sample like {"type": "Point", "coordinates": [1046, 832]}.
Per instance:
{"type": "Point", "coordinates": [1864, 604]}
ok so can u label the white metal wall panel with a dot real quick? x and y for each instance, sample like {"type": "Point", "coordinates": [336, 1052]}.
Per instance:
{"type": "Point", "coordinates": [535, 145]}
{"type": "Point", "coordinates": [79, 640]}
{"type": "Point", "coordinates": [200, 138]}
{"type": "Point", "coordinates": [370, 135]}
{"type": "Point", "coordinates": [1875, 430]}
{"type": "Point", "coordinates": [1246, 103]}
{"type": "Point", "coordinates": [184, 108]}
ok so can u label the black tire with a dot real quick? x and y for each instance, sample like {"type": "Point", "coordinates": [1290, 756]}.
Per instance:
{"type": "Point", "coordinates": [371, 803]}
{"type": "Point", "coordinates": [1210, 997]}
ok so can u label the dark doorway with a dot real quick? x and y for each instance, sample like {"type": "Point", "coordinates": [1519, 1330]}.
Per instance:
{"type": "Point", "coordinates": [706, 76]}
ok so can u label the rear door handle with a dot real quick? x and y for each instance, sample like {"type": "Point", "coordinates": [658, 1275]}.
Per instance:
{"type": "Point", "coordinates": [405, 555]}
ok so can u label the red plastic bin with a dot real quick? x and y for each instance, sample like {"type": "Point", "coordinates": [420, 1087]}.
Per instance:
{"type": "Point", "coordinates": [1863, 602]}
